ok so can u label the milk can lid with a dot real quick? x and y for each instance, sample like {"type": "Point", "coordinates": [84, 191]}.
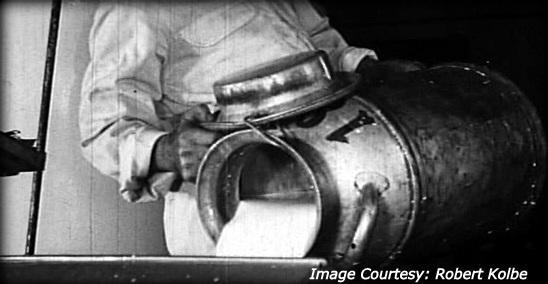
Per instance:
{"type": "Point", "coordinates": [279, 89]}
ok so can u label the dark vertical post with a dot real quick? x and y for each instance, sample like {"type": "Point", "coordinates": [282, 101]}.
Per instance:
{"type": "Point", "coordinates": [43, 124]}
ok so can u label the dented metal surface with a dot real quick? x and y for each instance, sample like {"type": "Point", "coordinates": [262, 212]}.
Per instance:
{"type": "Point", "coordinates": [478, 147]}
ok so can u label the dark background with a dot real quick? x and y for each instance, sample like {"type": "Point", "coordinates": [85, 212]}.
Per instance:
{"type": "Point", "coordinates": [509, 37]}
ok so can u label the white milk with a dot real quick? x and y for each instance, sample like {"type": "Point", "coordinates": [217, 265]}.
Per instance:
{"type": "Point", "coordinates": [269, 228]}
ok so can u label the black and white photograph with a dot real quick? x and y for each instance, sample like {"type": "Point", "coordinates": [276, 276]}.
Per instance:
{"type": "Point", "coordinates": [289, 141]}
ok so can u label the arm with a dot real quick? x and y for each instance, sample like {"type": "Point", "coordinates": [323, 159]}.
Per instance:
{"type": "Point", "coordinates": [343, 57]}
{"type": "Point", "coordinates": [183, 148]}
{"type": "Point", "coordinates": [118, 124]}
{"type": "Point", "coordinates": [348, 58]}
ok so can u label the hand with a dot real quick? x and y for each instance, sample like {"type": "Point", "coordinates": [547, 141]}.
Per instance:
{"type": "Point", "coordinates": [374, 71]}
{"type": "Point", "coordinates": [183, 149]}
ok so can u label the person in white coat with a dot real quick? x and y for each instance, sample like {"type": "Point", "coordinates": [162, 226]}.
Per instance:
{"type": "Point", "coordinates": [149, 85]}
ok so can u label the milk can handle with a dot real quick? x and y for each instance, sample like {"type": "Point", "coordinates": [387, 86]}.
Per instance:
{"type": "Point", "coordinates": [267, 137]}
{"type": "Point", "coordinates": [368, 189]}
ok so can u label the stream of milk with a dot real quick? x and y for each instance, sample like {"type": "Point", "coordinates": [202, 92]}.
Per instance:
{"type": "Point", "coordinates": [269, 228]}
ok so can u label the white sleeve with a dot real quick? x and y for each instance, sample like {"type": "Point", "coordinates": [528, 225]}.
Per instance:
{"type": "Point", "coordinates": [118, 123]}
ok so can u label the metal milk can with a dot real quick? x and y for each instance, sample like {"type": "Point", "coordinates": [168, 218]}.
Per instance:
{"type": "Point", "coordinates": [401, 166]}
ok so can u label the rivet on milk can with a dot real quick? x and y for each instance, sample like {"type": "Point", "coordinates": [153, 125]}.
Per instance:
{"type": "Point", "coordinates": [391, 170]}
